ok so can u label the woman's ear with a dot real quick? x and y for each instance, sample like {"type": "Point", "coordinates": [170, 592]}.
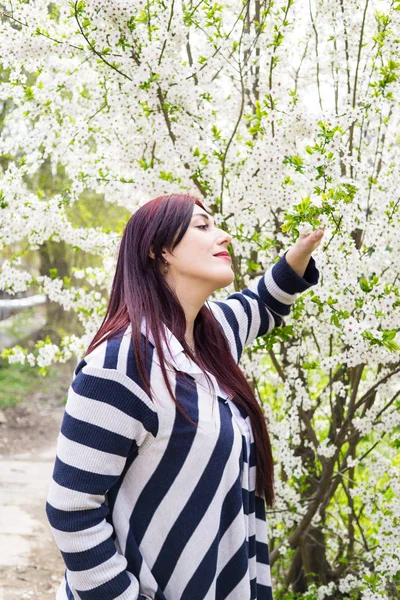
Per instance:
{"type": "Point", "coordinates": [151, 252]}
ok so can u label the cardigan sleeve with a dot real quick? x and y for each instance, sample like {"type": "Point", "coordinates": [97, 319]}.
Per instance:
{"type": "Point", "coordinates": [256, 310]}
{"type": "Point", "coordinates": [107, 419]}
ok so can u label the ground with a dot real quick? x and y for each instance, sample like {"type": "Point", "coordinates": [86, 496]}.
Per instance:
{"type": "Point", "coordinates": [30, 562]}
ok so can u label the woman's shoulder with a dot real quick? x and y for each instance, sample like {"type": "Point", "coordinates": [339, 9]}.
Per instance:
{"type": "Point", "coordinates": [112, 362]}
{"type": "Point", "coordinates": [106, 375]}
{"type": "Point", "coordinates": [109, 353]}
{"type": "Point", "coordinates": [115, 353]}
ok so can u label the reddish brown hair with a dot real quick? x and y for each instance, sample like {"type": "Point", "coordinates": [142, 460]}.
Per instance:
{"type": "Point", "coordinates": [139, 289]}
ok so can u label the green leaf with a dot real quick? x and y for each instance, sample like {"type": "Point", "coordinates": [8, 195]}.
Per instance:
{"type": "Point", "coordinates": [389, 334]}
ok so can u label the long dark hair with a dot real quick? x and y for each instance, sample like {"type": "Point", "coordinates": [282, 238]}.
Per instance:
{"type": "Point", "coordinates": [139, 289]}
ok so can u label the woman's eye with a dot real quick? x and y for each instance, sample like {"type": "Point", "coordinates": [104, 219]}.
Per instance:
{"type": "Point", "coordinates": [201, 226]}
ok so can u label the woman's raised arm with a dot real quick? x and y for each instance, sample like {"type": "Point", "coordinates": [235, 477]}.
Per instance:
{"type": "Point", "coordinates": [256, 310]}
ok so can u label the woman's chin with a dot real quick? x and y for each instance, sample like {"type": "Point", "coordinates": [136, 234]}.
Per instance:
{"type": "Point", "coordinates": [225, 280]}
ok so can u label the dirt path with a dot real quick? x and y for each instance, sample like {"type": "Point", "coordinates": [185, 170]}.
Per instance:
{"type": "Point", "coordinates": [30, 562]}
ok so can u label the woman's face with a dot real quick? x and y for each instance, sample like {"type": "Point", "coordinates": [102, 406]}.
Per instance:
{"type": "Point", "coordinates": [194, 258]}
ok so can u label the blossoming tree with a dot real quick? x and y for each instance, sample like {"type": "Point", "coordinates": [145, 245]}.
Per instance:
{"type": "Point", "coordinates": [284, 112]}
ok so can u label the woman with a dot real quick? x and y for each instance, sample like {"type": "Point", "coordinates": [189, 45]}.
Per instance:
{"type": "Point", "coordinates": [164, 463]}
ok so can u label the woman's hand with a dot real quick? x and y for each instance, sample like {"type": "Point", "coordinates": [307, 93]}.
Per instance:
{"type": "Point", "coordinates": [298, 256]}
{"type": "Point", "coordinates": [306, 243]}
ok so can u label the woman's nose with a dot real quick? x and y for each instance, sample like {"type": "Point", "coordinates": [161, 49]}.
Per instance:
{"type": "Point", "coordinates": [227, 236]}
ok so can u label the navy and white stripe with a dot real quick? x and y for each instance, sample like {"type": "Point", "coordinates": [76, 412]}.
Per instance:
{"type": "Point", "coordinates": [256, 310]}
{"type": "Point", "coordinates": [142, 505]}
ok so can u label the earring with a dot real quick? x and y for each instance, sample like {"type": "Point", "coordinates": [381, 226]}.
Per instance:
{"type": "Point", "coordinates": [166, 266]}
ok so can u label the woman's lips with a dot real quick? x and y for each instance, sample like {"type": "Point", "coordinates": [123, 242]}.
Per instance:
{"type": "Point", "coordinates": [225, 256]}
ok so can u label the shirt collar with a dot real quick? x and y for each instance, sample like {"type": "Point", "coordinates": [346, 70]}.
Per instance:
{"type": "Point", "coordinates": [177, 356]}
{"type": "Point", "coordinates": [178, 359]}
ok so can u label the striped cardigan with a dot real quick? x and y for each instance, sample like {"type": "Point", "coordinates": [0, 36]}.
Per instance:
{"type": "Point", "coordinates": [143, 505]}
